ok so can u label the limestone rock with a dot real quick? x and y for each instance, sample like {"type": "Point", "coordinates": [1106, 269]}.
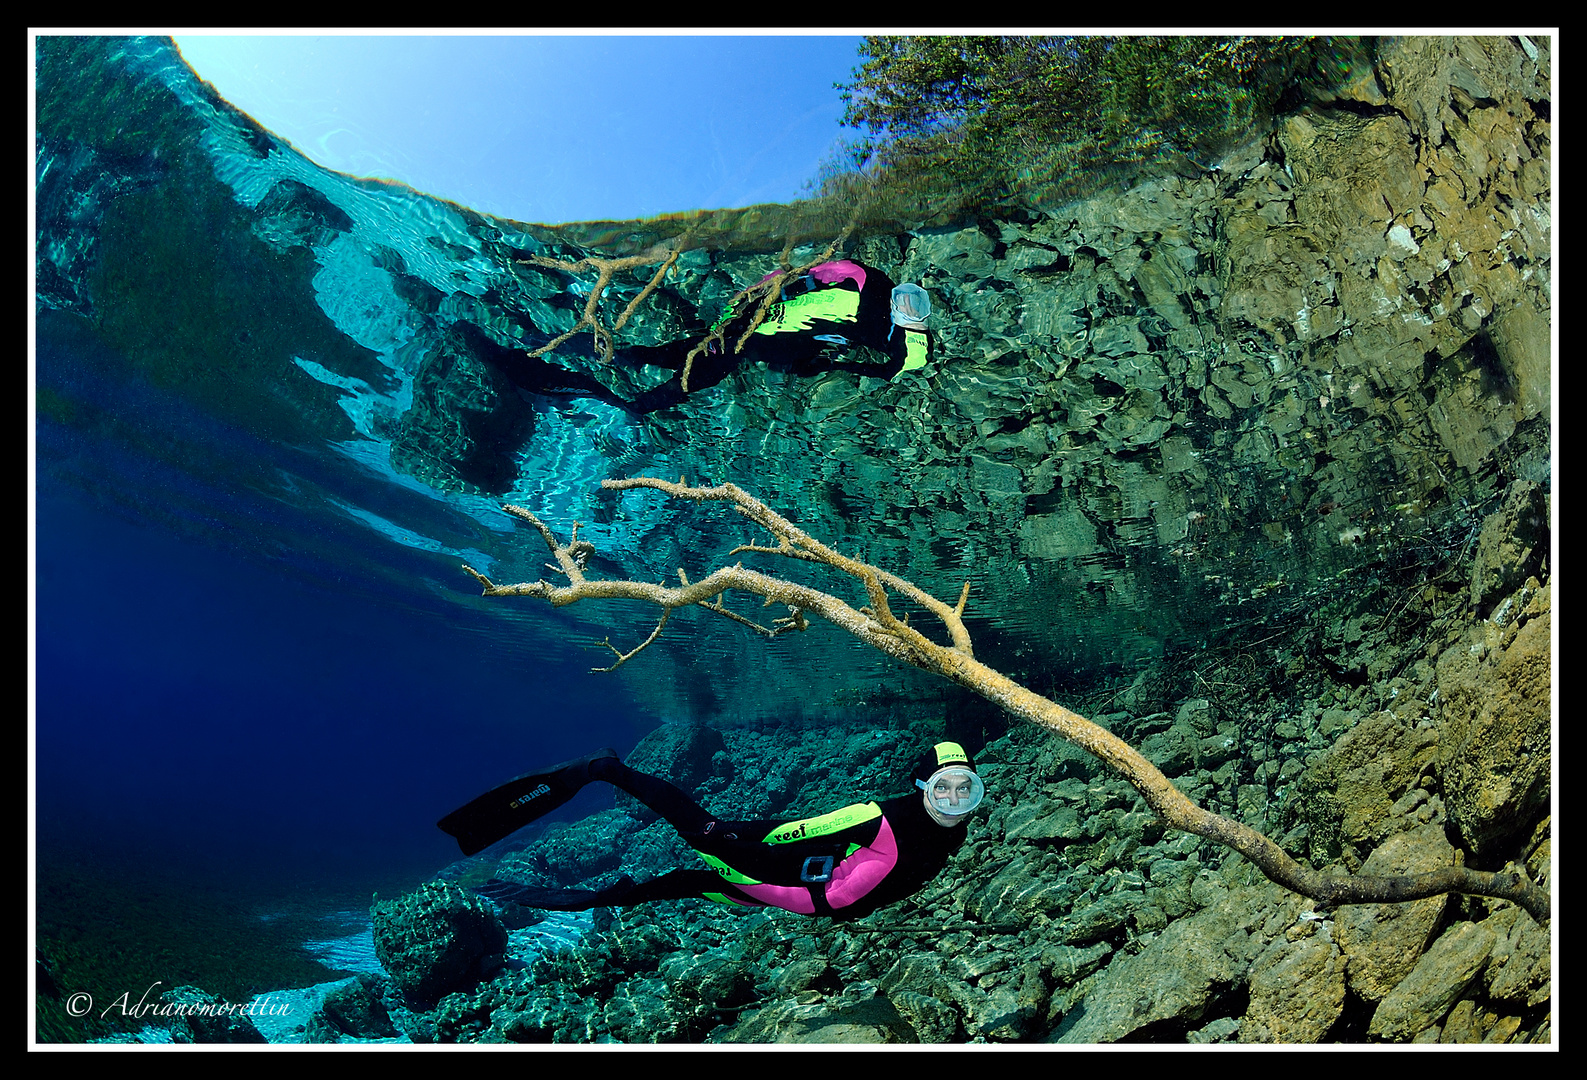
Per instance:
{"type": "Point", "coordinates": [1440, 977]}
{"type": "Point", "coordinates": [1494, 755]}
{"type": "Point", "coordinates": [1382, 942]}
{"type": "Point", "coordinates": [858, 1015]}
{"type": "Point", "coordinates": [1172, 979]}
{"type": "Point", "coordinates": [684, 754]}
{"type": "Point", "coordinates": [1519, 970]}
{"type": "Point", "coordinates": [1513, 544]}
{"type": "Point", "coordinates": [1366, 772]}
{"type": "Point", "coordinates": [1297, 991]}
{"type": "Point", "coordinates": [201, 1017]}
{"type": "Point", "coordinates": [435, 939]}
{"type": "Point", "coordinates": [356, 1009]}
{"type": "Point", "coordinates": [1042, 819]}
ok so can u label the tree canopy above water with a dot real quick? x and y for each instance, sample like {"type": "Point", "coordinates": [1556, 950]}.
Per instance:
{"type": "Point", "coordinates": [988, 114]}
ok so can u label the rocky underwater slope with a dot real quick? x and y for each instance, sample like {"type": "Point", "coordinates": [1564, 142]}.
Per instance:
{"type": "Point", "coordinates": [1070, 916]}
{"type": "Point", "coordinates": [1202, 401]}
{"type": "Point", "coordinates": [1250, 463]}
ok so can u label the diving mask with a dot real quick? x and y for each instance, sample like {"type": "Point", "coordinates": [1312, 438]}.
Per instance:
{"type": "Point", "coordinates": [910, 307]}
{"type": "Point", "coordinates": [953, 790]}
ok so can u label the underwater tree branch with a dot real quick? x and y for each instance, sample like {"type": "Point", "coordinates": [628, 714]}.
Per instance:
{"type": "Point", "coordinates": [764, 294]}
{"type": "Point", "coordinates": [767, 291]}
{"type": "Point", "coordinates": [604, 269]}
{"type": "Point", "coordinates": [624, 657]}
{"type": "Point", "coordinates": [876, 625]}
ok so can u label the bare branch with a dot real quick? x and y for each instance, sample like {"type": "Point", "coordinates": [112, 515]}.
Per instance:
{"type": "Point", "coordinates": [876, 626]}
{"type": "Point", "coordinates": [644, 294]}
{"type": "Point", "coordinates": [802, 546]}
{"type": "Point", "coordinates": [722, 610]}
{"type": "Point", "coordinates": [605, 269]}
{"type": "Point", "coordinates": [768, 291]}
{"type": "Point", "coordinates": [624, 657]}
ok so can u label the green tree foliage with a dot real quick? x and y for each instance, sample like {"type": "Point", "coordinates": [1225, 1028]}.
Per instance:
{"type": "Point", "coordinates": [987, 118]}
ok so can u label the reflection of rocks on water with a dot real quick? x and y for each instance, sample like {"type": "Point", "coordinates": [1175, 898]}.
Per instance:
{"type": "Point", "coordinates": [1313, 387]}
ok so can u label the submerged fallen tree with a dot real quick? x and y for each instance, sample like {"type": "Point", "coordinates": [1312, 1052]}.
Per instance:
{"type": "Point", "coordinates": [876, 625]}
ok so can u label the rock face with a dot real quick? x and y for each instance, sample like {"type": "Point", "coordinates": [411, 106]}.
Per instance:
{"type": "Point", "coordinates": [356, 1010]}
{"type": "Point", "coordinates": [202, 1017]}
{"type": "Point", "coordinates": [1495, 687]}
{"type": "Point", "coordinates": [1513, 545]}
{"type": "Point", "coordinates": [1296, 365]}
{"type": "Point", "coordinates": [1070, 915]}
{"type": "Point", "coordinates": [436, 940]}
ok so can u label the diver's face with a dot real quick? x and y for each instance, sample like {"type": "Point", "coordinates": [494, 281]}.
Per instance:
{"type": "Point", "coordinates": [951, 791]}
{"type": "Point", "coordinates": [947, 797]}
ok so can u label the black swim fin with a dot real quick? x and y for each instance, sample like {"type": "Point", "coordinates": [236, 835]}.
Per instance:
{"type": "Point", "coordinates": [516, 803]}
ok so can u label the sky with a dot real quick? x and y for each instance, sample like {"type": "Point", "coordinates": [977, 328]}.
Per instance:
{"type": "Point", "coordinates": [549, 128]}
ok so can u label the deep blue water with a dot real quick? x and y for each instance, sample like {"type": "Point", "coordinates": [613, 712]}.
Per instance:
{"type": "Point", "coordinates": [250, 696]}
{"type": "Point", "coordinates": [260, 674]}
{"type": "Point", "coordinates": [193, 701]}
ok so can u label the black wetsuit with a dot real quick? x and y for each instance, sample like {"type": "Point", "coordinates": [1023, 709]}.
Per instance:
{"type": "Point", "coordinates": [532, 374]}
{"type": "Point", "coordinates": [864, 857]}
{"type": "Point", "coordinates": [785, 343]}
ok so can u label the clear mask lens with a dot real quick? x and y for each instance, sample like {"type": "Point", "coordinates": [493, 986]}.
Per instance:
{"type": "Point", "coordinates": [954, 791]}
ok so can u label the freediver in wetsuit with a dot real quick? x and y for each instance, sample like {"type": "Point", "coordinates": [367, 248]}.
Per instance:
{"type": "Point", "coordinates": [824, 318]}
{"type": "Point", "coordinates": [821, 323]}
{"type": "Point", "coordinates": [843, 865]}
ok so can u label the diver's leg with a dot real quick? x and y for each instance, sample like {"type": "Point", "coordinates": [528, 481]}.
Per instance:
{"type": "Point", "coordinates": [708, 370]}
{"type": "Point", "coordinates": [513, 805]}
{"type": "Point", "coordinates": [670, 355]}
{"type": "Point", "coordinates": [663, 396]}
{"type": "Point", "coordinates": [677, 885]}
{"type": "Point", "coordinates": [681, 812]}
{"type": "Point", "coordinates": [536, 376]}
{"type": "Point", "coordinates": [512, 892]}
{"type": "Point", "coordinates": [683, 885]}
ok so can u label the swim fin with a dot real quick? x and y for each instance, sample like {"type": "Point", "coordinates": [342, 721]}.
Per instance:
{"type": "Point", "coordinates": [516, 803]}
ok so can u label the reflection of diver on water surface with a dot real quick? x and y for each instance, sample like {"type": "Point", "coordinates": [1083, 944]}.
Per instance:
{"type": "Point", "coordinates": [843, 864]}
{"type": "Point", "coordinates": [837, 316]}
{"type": "Point", "coordinates": [534, 375]}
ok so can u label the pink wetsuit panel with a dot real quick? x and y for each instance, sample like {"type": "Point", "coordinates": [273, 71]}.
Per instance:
{"type": "Point", "coordinates": [854, 877]}
{"type": "Point", "coordinates": [864, 870]}
{"type": "Point", "coordinates": [829, 272]}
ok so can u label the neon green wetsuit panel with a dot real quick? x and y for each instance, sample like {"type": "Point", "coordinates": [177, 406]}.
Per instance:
{"type": "Point", "coordinates": [914, 350]}
{"type": "Point", "coordinates": [949, 751]}
{"type": "Point", "coordinates": [727, 872]}
{"type": "Point", "coordinates": [805, 829]}
{"type": "Point", "coordinates": [825, 825]}
{"type": "Point", "coordinates": [801, 313]}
